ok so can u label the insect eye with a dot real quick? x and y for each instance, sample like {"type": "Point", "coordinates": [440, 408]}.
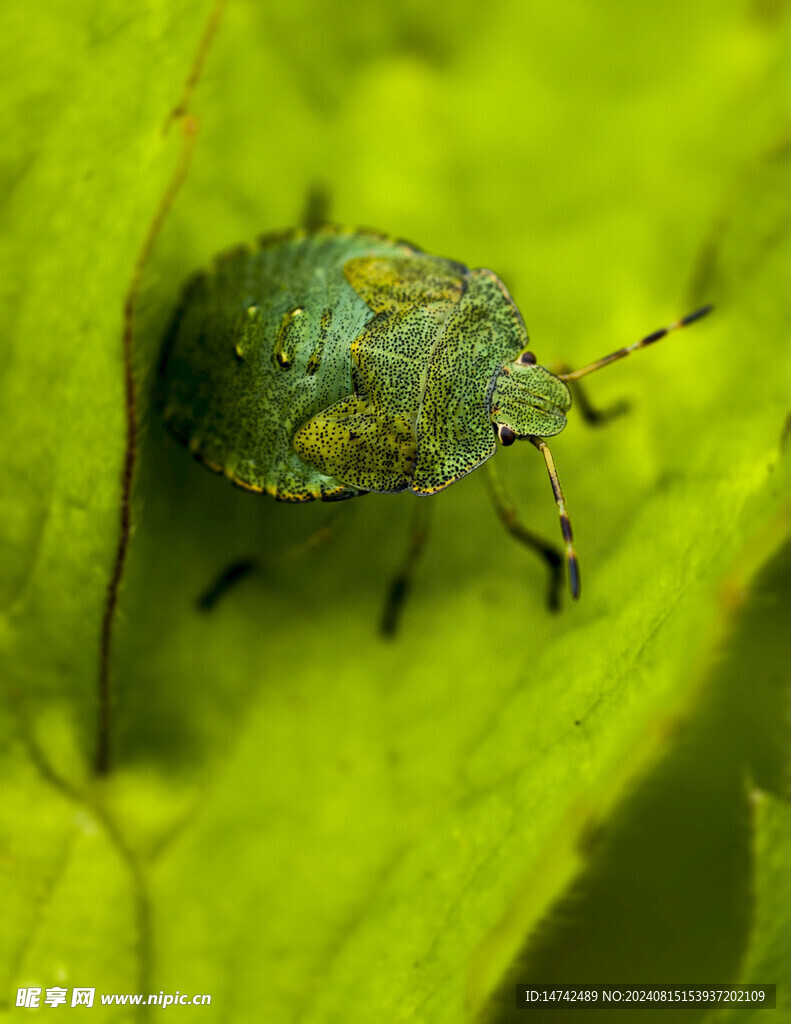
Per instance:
{"type": "Point", "coordinates": [527, 359]}
{"type": "Point", "coordinates": [506, 435]}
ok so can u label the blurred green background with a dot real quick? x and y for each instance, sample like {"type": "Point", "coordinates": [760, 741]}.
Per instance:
{"type": "Point", "coordinates": [305, 821]}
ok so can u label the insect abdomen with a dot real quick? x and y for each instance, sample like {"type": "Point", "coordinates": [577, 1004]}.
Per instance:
{"type": "Point", "coordinates": [261, 344]}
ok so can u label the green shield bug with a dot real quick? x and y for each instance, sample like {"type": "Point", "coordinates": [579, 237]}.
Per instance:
{"type": "Point", "coordinates": [327, 363]}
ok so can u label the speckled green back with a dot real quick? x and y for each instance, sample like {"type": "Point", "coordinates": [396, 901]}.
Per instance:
{"type": "Point", "coordinates": [238, 376]}
{"type": "Point", "coordinates": [482, 333]}
{"type": "Point", "coordinates": [326, 364]}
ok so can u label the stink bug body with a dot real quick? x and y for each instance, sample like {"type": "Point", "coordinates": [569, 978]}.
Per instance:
{"type": "Point", "coordinates": [329, 363]}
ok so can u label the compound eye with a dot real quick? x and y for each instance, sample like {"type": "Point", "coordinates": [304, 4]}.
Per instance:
{"type": "Point", "coordinates": [505, 434]}
{"type": "Point", "coordinates": [527, 359]}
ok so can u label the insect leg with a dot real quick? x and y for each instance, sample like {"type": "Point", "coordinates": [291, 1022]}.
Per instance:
{"type": "Point", "coordinates": [402, 581]}
{"type": "Point", "coordinates": [244, 567]}
{"type": "Point", "coordinates": [228, 578]}
{"type": "Point", "coordinates": [317, 207]}
{"type": "Point", "coordinates": [591, 415]}
{"type": "Point", "coordinates": [510, 519]}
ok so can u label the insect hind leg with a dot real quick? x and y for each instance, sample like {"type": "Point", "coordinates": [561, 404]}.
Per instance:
{"type": "Point", "coordinates": [401, 583]}
{"type": "Point", "coordinates": [509, 516]}
{"type": "Point", "coordinates": [242, 568]}
{"type": "Point", "coordinates": [227, 580]}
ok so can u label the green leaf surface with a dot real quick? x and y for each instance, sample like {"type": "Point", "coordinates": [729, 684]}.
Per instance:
{"type": "Point", "coordinates": [759, 651]}
{"type": "Point", "coordinates": [306, 821]}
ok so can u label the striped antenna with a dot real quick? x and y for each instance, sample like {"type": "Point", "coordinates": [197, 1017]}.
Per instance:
{"type": "Point", "coordinates": [565, 524]}
{"type": "Point", "coordinates": [649, 339]}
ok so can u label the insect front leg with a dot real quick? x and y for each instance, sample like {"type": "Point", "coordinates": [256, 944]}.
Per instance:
{"type": "Point", "coordinates": [571, 377]}
{"type": "Point", "coordinates": [591, 415]}
{"type": "Point", "coordinates": [402, 581]}
{"type": "Point", "coordinates": [242, 568]}
{"type": "Point", "coordinates": [509, 516]}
